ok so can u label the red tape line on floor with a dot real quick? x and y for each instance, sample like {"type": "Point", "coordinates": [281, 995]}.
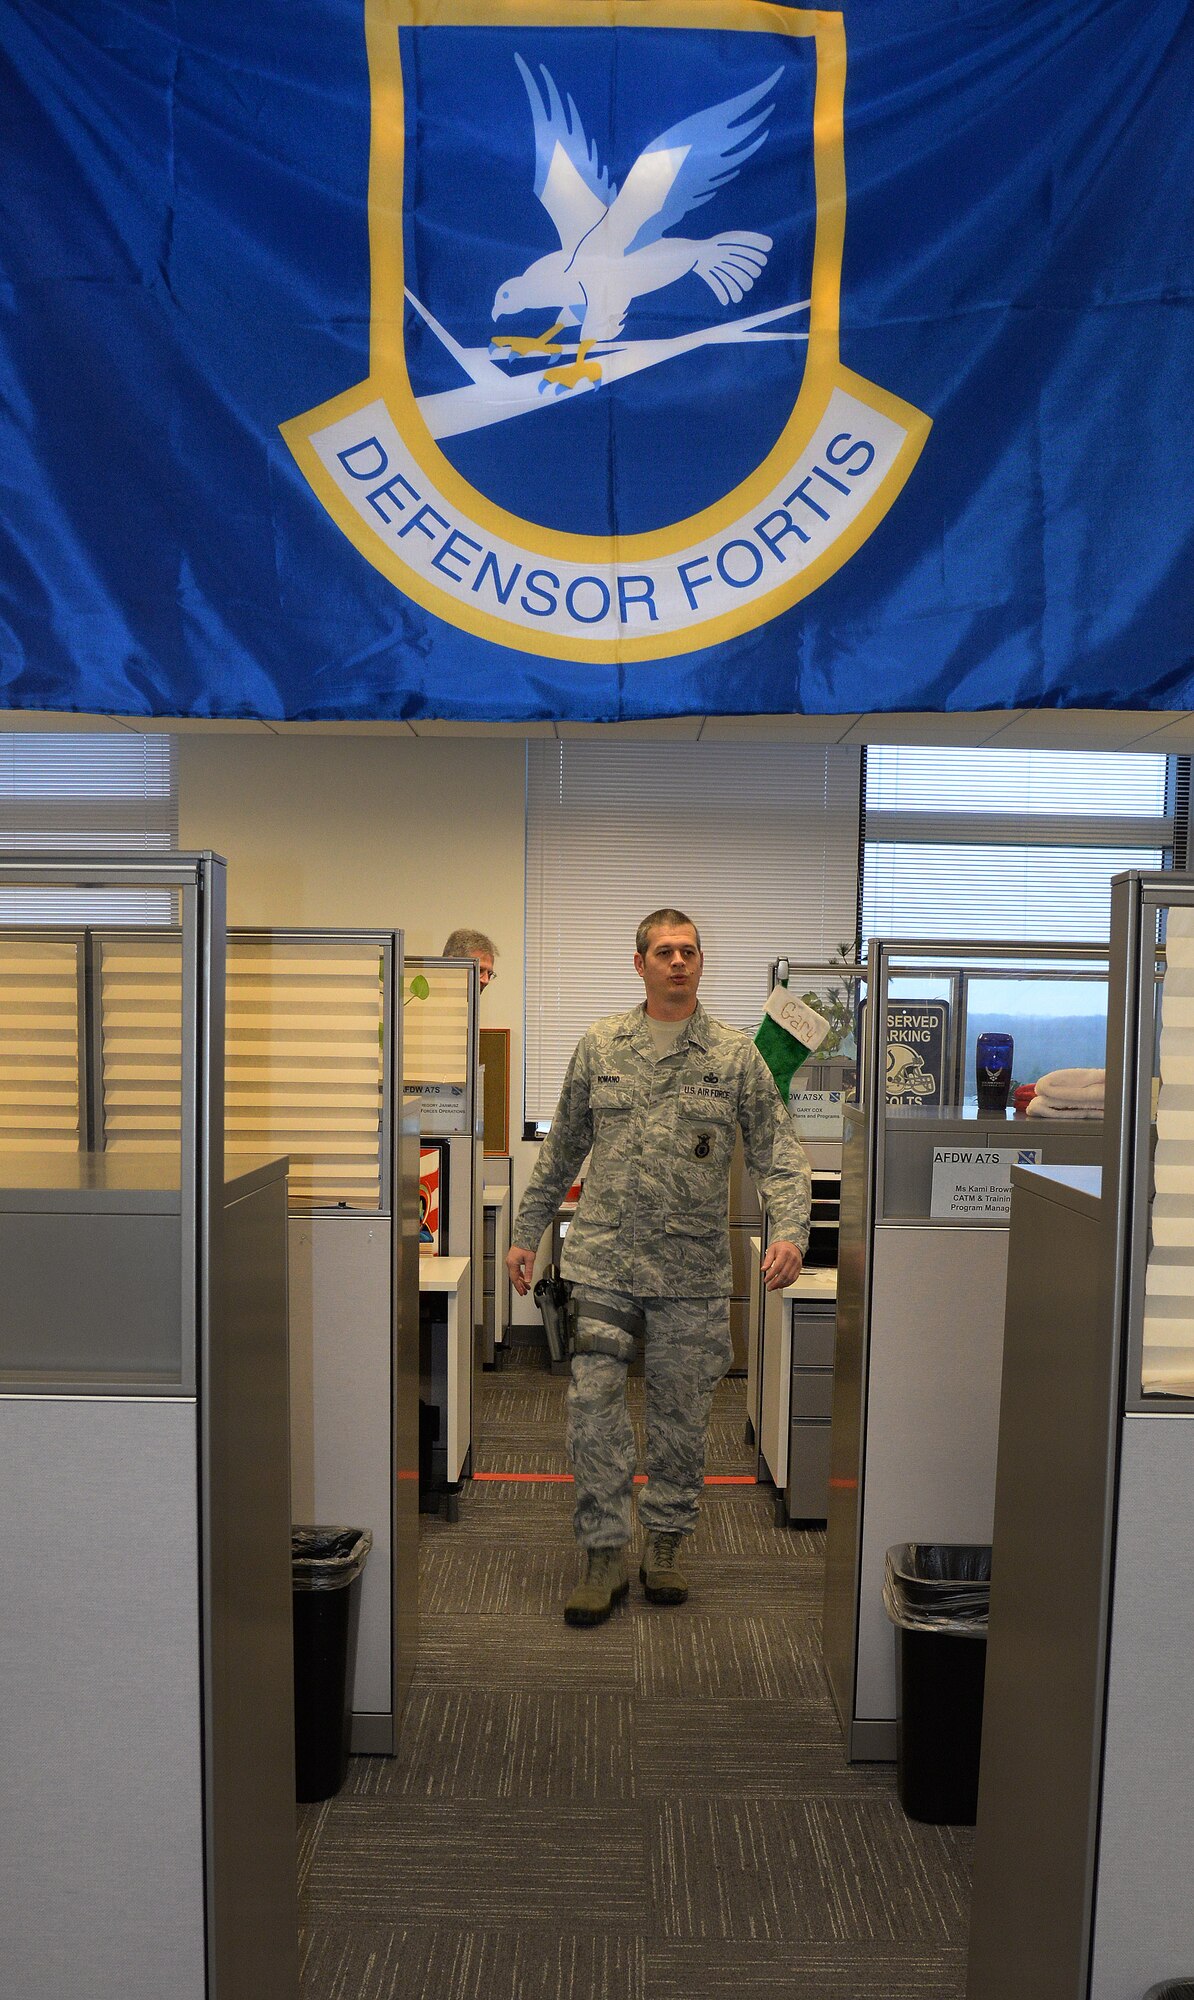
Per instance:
{"type": "Point", "coordinates": [640, 1478]}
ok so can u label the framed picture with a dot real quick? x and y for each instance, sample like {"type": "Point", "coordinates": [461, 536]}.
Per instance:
{"type": "Point", "coordinates": [495, 1061]}
{"type": "Point", "coordinates": [433, 1197]}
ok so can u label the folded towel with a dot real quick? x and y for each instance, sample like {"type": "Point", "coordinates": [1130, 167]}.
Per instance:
{"type": "Point", "coordinates": [1042, 1107]}
{"type": "Point", "coordinates": [1072, 1086]}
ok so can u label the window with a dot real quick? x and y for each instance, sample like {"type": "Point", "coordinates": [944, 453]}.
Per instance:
{"type": "Point", "coordinates": [1017, 845]}
{"type": "Point", "coordinates": [96, 794]}
{"type": "Point", "coordinates": [1006, 843]}
{"type": "Point", "coordinates": [755, 841]}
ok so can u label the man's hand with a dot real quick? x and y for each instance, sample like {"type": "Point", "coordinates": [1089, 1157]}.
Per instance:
{"type": "Point", "coordinates": [782, 1264]}
{"type": "Point", "coordinates": [521, 1266]}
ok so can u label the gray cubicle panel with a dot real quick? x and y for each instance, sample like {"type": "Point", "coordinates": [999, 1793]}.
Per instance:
{"type": "Point", "coordinates": [916, 1388]}
{"type": "Point", "coordinates": [317, 999]}
{"type": "Point", "coordinates": [1082, 1881]}
{"type": "Point", "coordinates": [314, 1068]}
{"type": "Point", "coordinates": [147, 1758]}
{"type": "Point", "coordinates": [147, 1626]}
{"type": "Point", "coordinates": [917, 1364]}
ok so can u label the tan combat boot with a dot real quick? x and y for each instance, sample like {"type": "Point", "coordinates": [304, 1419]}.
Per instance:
{"type": "Point", "coordinates": [660, 1575]}
{"type": "Point", "coordinates": [603, 1585]}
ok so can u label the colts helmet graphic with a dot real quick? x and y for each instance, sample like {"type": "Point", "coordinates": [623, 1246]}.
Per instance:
{"type": "Point", "coordinates": [906, 1073]}
{"type": "Point", "coordinates": [607, 417]}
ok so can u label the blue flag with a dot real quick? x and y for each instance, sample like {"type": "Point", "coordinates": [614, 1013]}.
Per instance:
{"type": "Point", "coordinates": [531, 358]}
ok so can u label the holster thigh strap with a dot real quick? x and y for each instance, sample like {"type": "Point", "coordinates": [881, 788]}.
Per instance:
{"type": "Point", "coordinates": [626, 1324]}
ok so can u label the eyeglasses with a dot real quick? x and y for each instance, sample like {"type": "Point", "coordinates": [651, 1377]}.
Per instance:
{"type": "Point", "coordinates": [486, 974]}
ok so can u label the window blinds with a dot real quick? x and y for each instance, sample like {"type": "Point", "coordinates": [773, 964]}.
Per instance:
{"type": "Point", "coordinates": [98, 793]}
{"type": "Point", "coordinates": [435, 1026]}
{"type": "Point", "coordinates": [1005, 843]}
{"type": "Point", "coordinates": [754, 841]}
{"type": "Point", "coordinates": [303, 1065]}
{"type": "Point", "coordinates": [40, 1057]}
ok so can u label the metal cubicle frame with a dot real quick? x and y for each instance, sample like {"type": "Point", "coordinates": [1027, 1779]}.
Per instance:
{"type": "Point", "coordinates": [1137, 900]}
{"type": "Point", "coordinates": [466, 1220]}
{"type": "Point", "coordinates": [377, 1733]}
{"type": "Point", "coordinates": [373, 1732]}
{"type": "Point", "coordinates": [784, 971]}
{"type": "Point", "coordinates": [200, 880]}
{"type": "Point", "coordinates": [232, 1947]}
{"type": "Point", "coordinates": [1079, 1812]}
{"type": "Point", "coordinates": [882, 956]}
{"type": "Point", "coordinates": [890, 959]}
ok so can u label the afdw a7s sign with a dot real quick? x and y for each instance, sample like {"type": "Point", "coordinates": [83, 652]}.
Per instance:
{"type": "Point", "coordinates": [606, 415]}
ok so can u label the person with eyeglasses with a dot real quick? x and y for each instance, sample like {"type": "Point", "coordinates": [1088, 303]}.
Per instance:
{"type": "Point", "coordinates": [473, 944]}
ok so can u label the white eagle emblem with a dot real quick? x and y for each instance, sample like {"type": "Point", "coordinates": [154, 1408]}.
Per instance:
{"type": "Point", "coordinates": [613, 248]}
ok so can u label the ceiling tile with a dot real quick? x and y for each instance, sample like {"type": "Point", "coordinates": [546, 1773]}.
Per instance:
{"type": "Point", "coordinates": [49, 721]}
{"type": "Point", "coordinates": [365, 728]}
{"type": "Point", "coordinates": [963, 731]}
{"type": "Point", "coordinates": [1079, 728]}
{"type": "Point", "coordinates": [196, 725]}
{"type": "Point", "coordinates": [1174, 736]}
{"type": "Point", "coordinates": [776, 728]}
{"type": "Point", "coordinates": [682, 728]}
{"type": "Point", "coordinates": [430, 727]}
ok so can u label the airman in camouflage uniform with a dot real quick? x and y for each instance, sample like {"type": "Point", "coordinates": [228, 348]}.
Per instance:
{"type": "Point", "coordinates": [648, 1252]}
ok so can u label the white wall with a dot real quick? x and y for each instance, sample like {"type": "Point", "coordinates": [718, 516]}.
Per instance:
{"type": "Point", "coordinates": [384, 832]}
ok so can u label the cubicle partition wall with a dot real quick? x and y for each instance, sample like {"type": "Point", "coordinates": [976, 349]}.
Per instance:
{"type": "Point", "coordinates": [315, 1064]}
{"type": "Point", "coordinates": [441, 1057]}
{"type": "Point", "coordinates": [791, 1335]}
{"type": "Point", "coordinates": [1086, 1801]}
{"type": "Point", "coordinates": [147, 1757]}
{"type": "Point", "coordinates": [313, 1071]}
{"type": "Point", "coordinates": [923, 1268]}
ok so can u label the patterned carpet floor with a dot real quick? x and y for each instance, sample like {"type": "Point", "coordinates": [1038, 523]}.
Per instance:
{"type": "Point", "coordinates": [656, 1809]}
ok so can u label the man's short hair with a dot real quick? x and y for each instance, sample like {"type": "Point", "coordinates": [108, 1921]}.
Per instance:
{"type": "Point", "coordinates": [465, 944]}
{"type": "Point", "coordinates": [661, 920]}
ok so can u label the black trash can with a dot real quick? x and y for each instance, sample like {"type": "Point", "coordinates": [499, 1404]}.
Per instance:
{"type": "Point", "coordinates": [938, 1598]}
{"type": "Point", "coordinates": [325, 1567]}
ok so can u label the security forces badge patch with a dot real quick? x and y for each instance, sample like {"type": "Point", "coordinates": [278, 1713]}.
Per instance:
{"type": "Point", "coordinates": [606, 415]}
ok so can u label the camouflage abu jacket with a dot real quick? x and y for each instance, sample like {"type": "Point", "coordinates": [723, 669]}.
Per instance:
{"type": "Point", "coordinates": [653, 1218]}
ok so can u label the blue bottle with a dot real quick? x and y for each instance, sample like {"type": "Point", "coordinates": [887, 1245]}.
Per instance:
{"type": "Point", "coordinates": [993, 1068]}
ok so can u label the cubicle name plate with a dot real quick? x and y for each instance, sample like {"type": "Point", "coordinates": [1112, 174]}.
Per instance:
{"type": "Point", "coordinates": [443, 1107]}
{"type": "Point", "coordinates": [917, 1037]}
{"type": "Point", "coordinates": [818, 1114]}
{"type": "Point", "coordinates": [974, 1183]}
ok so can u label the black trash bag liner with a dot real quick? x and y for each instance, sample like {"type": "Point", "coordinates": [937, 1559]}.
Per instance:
{"type": "Point", "coordinates": [327, 1558]}
{"type": "Point", "coordinates": [938, 1587]}
{"type": "Point", "coordinates": [1172, 1989]}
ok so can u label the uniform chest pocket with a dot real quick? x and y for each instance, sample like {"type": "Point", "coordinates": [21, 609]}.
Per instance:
{"type": "Point", "coordinates": [704, 1124]}
{"type": "Point", "coordinates": [611, 1095]}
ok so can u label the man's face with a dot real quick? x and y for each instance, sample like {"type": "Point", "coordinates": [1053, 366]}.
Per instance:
{"type": "Point", "coordinates": [485, 965]}
{"type": "Point", "coordinates": [670, 968]}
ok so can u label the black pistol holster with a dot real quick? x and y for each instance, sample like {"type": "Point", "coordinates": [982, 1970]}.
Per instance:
{"type": "Point", "coordinates": [554, 1299]}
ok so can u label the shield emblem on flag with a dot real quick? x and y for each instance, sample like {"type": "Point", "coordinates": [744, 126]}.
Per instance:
{"type": "Point", "coordinates": [607, 416]}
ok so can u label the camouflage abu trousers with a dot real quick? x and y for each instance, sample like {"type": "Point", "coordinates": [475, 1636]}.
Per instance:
{"type": "Point", "coordinates": [687, 1350]}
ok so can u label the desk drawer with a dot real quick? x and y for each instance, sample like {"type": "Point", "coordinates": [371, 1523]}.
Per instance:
{"type": "Point", "coordinates": [812, 1339]}
{"type": "Point", "coordinates": [808, 1472]}
{"type": "Point", "coordinates": [812, 1393]}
